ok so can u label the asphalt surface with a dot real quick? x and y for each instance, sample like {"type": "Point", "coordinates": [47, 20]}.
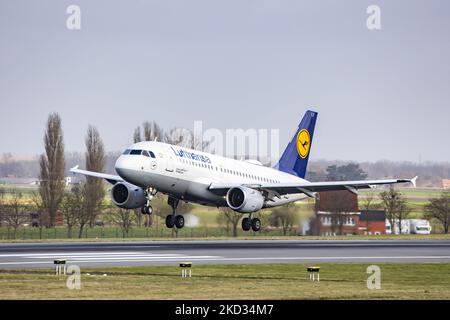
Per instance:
{"type": "Point", "coordinates": [133, 253]}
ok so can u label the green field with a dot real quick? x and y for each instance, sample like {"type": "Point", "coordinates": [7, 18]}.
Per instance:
{"type": "Point", "coordinates": [417, 198]}
{"type": "Point", "coordinates": [257, 281]}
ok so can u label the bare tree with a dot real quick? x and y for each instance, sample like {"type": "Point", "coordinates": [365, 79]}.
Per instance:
{"type": "Point", "coordinates": [185, 138]}
{"type": "Point", "coordinates": [51, 187]}
{"type": "Point", "coordinates": [95, 161]}
{"type": "Point", "coordinates": [368, 201]}
{"type": "Point", "coordinates": [124, 219]}
{"type": "Point", "coordinates": [42, 214]}
{"type": "Point", "coordinates": [152, 131]}
{"type": "Point", "coordinates": [395, 206]}
{"type": "Point", "coordinates": [439, 209]}
{"type": "Point", "coordinates": [16, 213]}
{"type": "Point", "coordinates": [83, 216]}
{"type": "Point", "coordinates": [230, 218]}
{"type": "Point", "coordinates": [72, 207]}
{"type": "Point", "coordinates": [2, 206]}
{"type": "Point", "coordinates": [338, 204]}
{"type": "Point", "coordinates": [137, 135]}
{"type": "Point", "coordinates": [283, 216]}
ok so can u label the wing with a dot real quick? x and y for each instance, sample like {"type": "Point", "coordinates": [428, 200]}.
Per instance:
{"type": "Point", "coordinates": [108, 177]}
{"type": "Point", "coordinates": [309, 188]}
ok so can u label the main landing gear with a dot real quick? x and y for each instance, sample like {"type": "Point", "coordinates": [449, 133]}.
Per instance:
{"type": "Point", "coordinates": [251, 223]}
{"type": "Point", "coordinates": [174, 219]}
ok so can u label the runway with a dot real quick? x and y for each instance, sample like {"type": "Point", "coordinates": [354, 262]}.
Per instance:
{"type": "Point", "coordinates": [134, 253]}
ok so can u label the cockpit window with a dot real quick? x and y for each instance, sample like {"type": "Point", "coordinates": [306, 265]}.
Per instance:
{"type": "Point", "coordinates": [148, 154]}
{"type": "Point", "coordinates": [135, 152]}
{"type": "Point", "coordinates": [126, 151]}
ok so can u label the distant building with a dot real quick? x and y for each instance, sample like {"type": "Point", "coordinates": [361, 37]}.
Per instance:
{"type": "Point", "coordinates": [337, 212]}
{"type": "Point", "coordinates": [20, 181]}
{"type": "Point", "coordinates": [446, 183]}
{"type": "Point", "coordinates": [33, 181]}
{"type": "Point", "coordinates": [372, 222]}
{"type": "Point", "coordinates": [331, 224]}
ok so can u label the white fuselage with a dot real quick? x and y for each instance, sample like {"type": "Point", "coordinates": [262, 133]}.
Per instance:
{"type": "Point", "coordinates": [186, 174]}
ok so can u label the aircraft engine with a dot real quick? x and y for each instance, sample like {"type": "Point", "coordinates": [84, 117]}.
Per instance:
{"type": "Point", "coordinates": [245, 200]}
{"type": "Point", "coordinates": [128, 196]}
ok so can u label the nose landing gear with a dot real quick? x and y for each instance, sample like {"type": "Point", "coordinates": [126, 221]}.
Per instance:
{"type": "Point", "coordinates": [150, 193]}
{"type": "Point", "coordinates": [147, 209]}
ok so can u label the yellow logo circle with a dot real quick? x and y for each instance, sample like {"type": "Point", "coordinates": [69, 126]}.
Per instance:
{"type": "Point", "coordinates": [303, 143]}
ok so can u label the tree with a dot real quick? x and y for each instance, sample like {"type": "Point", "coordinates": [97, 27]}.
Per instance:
{"type": "Point", "coordinates": [283, 216]}
{"type": "Point", "coordinates": [42, 214]}
{"type": "Point", "coordinates": [152, 131]}
{"type": "Point", "coordinates": [16, 212]}
{"type": "Point", "coordinates": [395, 206]}
{"type": "Point", "coordinates": [84, 215]}
{"type": "Point", "coordinates": [124, 219]}
{"type": "Point", "coordinates": [230, 218]}
{"type": "Point", "coordinates": [338, 206]}
{"type": "Point", "coordinates": [351, 171]}
{"type": "Point", "coordinates": [95, 161]}
{"type": "Point", "coordinates": [52, 163]}
{"type": "Point", "coordinates": [368, 201]}
{"type": "Point", "coordinates": [137, 135]}
{"type": "Point", "coordinates": [2, 206]}
{"type": "Point", "coordinates": [316, 176]}
{"type": "Point", "coordinates": [72, 207]}
{"type": "Point", "coordinates": [439, 209]}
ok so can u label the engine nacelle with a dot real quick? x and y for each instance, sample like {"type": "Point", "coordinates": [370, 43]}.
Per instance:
{"type": "Point", "coordinates": [128, 196]}
{"type": "Point", "coordinates": [243, 199]}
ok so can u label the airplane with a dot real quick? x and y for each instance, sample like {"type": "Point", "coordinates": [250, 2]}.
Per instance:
{"type": "Point", "coordinates": [245, 186]}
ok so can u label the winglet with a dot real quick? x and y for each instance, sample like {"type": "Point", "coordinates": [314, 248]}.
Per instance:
{"type": "Point", "coordinates": [413, 181]}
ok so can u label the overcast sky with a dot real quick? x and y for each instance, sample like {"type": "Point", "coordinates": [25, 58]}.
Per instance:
{"type": "Point", "coordinates": [380, 94]}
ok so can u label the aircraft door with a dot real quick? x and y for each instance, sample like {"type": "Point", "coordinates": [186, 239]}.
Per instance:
{"type": "Point", "coordinates": [169, 162]}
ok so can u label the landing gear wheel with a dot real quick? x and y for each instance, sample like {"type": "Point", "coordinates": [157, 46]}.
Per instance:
{"type": "Point", "coordinates": [147, 210]}
{"type": "Point", "coordinates": [179, 221]}
{"type": "Point", "coordinates": [256, 224]}
{"type": "Point", "coordinates": [246, 224]}
{"type": "Point", "coordinates": [170, 221]}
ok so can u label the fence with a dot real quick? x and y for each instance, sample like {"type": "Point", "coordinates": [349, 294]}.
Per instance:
{"type": "Point", "coordinates": [30, 233]}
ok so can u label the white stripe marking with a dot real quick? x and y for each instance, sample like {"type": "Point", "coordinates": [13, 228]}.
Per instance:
{"type": "Point", "coordinates": [202, 258]}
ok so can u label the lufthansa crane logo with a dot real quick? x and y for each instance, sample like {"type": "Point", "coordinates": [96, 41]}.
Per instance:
{"type": "Point", "coordinates": [303, 143]}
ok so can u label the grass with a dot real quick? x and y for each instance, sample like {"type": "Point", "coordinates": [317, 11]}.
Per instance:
{"type": "Point", "coordinates": [256, 281]}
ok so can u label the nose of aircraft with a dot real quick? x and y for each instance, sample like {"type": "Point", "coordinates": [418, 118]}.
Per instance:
{"type": "Point", "coordinates": [122, 166]}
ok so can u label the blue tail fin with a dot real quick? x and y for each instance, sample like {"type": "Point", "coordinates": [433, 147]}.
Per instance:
{"type": "Point", "coordinates": [295, 158]}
